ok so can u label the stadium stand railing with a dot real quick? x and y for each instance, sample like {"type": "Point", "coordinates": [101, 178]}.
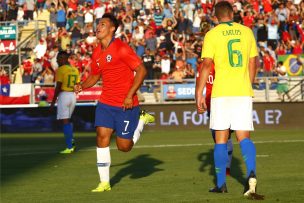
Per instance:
{"type": "Point", "coordinates": [159, 92]}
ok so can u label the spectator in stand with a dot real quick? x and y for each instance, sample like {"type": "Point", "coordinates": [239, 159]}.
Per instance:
{"type": "Point", "coordinates": [37, 70]}
{"type": "Point", "coordinates": [184, 25]}
{"type": "Point", "coordinates": [197, 19]}
{"type": "Point", "coordinates": [269, 64]}
{"type": "Point", "coordinates": [191, 56]}
{"type": "Point", "coordinates": [178, 40]}
{"type": "Point", "coordinates": [166, 64]}
{"type": "Point", "coordinates": [20, 14]}
{"type": "Point", "coordinates": [148, 61]}
{"type": "Point", "coordinates": [27, 70]}
{"type": "Point", "coordinates": [180, 58]}
{"type": "Point", "coordinates": [99, 11]}
{"type": "Point", "coordinates": [189, 71]}
{"type": "Point", "coordinates": [283, 16]}
{"type": "Point", "coordinates": [262, 32]}
{"type": "Point", "coordinates": [53, 57]}
{"type": "Point", "coordinates": [53, 14]}
{"type": "Point", "coordinates": [297, 47]}
{"type": "Point", "coordinates": [61, 15]}
{"type": "Point", "coordinates": [178, 75]}
{"type": "Point", "coordinates": [91, 39]}
{"type": "Point", "coordinates": [70, 20]}
{"type": "Point", "coordinates": [157, 71]}
{"type": "Point", "coordinates": [151, 41]}
{"type": "Point", "coordinates": [281, 49]}
{"type": "Point", "coordinates": [48, 77]}
{"type": "Point", "coordinates": [88, 14]}
{"type": "Point", "coordinates": [266, 5]}
{"type": "Point", "coordinates": [12, 11]}
{"type": "Point", "coordinates": [127, 22]}
{"type": "Point", "coordinates": [148, 6]}
{"type": "Point", "coordinates": [79, 16]}
{"type": "Point", "coordinates": [40, 5]}
{"type": "Point", "coordinates": [29, 7]}
{"type": "Point", "coordinates": [4, 78]}
{"type": "Point", "coordinates": [248, 19]}
{"type": "Point", "coordinates": [76, 33]}
{"type": "Point", "coordinates": [65, 40]}
{"type": "Point", "coordinates": [169, 24]}
{"type": "Point", "coordinates": [237, 15]}
{"type": "Point", "coordinates": [72, 5]}
{"type": "Point", "coordinates": [137, 5]}
{"type": "Point", "coordinates": [207, 6]}
{"type": "Point", "coordinates": [40, 49]}
{"type": "Point", "coordinates": [282, 87]}
{"type": "Point", "coordinates": [188, 10]}
{"type": "Point", "coordinates": [273, 36]}
{"type": "Point", "coordinates": [158, 19]}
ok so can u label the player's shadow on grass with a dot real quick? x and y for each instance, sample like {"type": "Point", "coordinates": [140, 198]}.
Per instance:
{"type": "Point", "coordinates": [20, 155]}
{"type": "Point", "coordinates": [142, 166]}
{"type": "Point", "coordinates": [208, 164]}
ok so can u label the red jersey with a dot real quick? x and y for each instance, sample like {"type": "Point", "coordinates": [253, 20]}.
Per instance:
{"type": "Point", "coordinates": [116, 66]}
{"type": "Point", "coordinates": [267, 6]}
{"type": "Point", "coordinates": [268, 63]}
{"type": "Point", "coordinates": [209, 84]}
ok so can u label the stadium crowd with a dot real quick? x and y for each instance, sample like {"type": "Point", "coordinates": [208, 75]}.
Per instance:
{"type": "Point", "coordinates": [166, 34]}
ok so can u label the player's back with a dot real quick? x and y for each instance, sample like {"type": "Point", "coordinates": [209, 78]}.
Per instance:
{"type": "Point", "coordinates": [68, 76]}
{"type": "Point", "coordinates": [230, 45]}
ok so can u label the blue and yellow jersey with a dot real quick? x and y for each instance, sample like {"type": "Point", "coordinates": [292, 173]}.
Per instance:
{"type": "Point", "coordinates": [68, 76]}
{"type": "Point", "coordinates": [230, 45]}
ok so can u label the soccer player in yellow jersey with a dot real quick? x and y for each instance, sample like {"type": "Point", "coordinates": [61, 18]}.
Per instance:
{"type": "Point", "coordinates": [66, 77]}
{"type": "Point", "coordinates": [232, 49]}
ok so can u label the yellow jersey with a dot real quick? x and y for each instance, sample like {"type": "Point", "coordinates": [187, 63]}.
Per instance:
{"type": "Point", "coordinates": [230, 45]}
{"type": "Point", "coordinates": [68, 76]}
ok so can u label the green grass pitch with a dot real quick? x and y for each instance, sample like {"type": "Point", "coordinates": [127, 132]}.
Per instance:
{"type": "Point", "coordinates": [165, 166]}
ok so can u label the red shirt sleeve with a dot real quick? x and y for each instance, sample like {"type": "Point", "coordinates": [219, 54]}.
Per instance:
{"type": "Point", "coordinates": [129, 57]}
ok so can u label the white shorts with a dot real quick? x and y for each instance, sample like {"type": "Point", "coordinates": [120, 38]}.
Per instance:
{"type": "Point", "coordinates": [233, 113]}
{"type": "Point", "coordinates": [65, 105]}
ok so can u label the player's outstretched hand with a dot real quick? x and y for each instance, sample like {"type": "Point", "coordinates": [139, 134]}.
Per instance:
{"type": "Point", "coordinates": [77, 88]}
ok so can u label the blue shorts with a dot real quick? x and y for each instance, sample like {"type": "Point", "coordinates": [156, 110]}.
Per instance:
{"type": "Point", "coordinates": [123, 122]}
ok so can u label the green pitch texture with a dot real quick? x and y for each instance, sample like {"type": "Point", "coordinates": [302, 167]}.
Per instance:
{"type": "Point", "coordinates": [172, 166]}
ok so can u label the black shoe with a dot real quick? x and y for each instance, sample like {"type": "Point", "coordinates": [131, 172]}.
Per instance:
{"type": "Point", "coordinates": [222, 189]}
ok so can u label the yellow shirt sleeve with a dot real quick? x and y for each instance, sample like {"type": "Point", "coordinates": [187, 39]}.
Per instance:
{"type": "Point", "coordinates": [208, 47]}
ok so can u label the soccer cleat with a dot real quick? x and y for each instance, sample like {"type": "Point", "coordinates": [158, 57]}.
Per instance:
{"type": "Point", "coordinates": [227, 171]}
{"type": "Point", "coordinates": [67, 151]}
{"type": "Point", "coordinates": [147, 118]}
{"type": "Point", "coordinates": [250, 188]}
{"type": "Point", "coordinates": [102, 186]}
{"type": "Point", "coordinates": [250, 185]}
{"type": "Point", "coordinates": [222, 189]}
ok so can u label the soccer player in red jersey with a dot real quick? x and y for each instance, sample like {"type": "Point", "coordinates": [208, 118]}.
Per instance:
{"type": "Point", "coordinates": [115, 63]}
{"type": "Point", "coordinates": [208, 91]}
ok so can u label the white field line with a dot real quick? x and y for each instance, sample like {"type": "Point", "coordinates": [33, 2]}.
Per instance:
{"type": "Point", "coordinates": [149, 147]}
